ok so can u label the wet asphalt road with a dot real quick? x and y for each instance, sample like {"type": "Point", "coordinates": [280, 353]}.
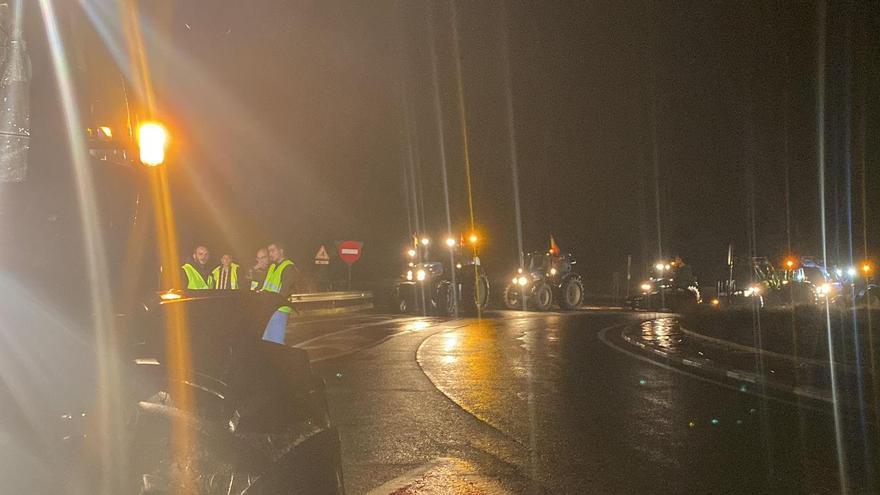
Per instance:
{"type": "Point", "coordinates": [560, 403]}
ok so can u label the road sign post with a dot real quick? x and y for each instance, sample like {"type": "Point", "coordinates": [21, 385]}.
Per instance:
{"type": "Point", "coordinates": [349, 252]}
{"type": "Point", "coordinates": [322, 261]}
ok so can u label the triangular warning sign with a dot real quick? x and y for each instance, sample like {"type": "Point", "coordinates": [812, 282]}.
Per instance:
{"type": "Point", "coordinates": [322, 258]}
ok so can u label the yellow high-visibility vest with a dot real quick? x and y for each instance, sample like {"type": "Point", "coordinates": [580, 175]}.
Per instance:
{"type": "Point", "coordinates": [273, 281]}
{"type": "Point", "coordinates": [194, 279]}
{"type": "Point", "coordinates": [233, 276]}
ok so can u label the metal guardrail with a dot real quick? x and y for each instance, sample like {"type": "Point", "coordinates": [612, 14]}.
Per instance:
{"type": "Point", "coordinates": [319, 303]}
{"type": "Point", "coordinates": [330, 297]}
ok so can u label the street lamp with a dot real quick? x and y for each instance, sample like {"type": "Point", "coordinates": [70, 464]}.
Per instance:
{"type": "Point", "coordinates": [152, 142]}
{"type": "Point", "coordinates": [450, 242]}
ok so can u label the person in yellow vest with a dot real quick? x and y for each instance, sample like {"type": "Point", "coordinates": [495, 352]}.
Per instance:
{"type": "Point", "coordinates": [280, 278]}
{"type": "Point", "coordinates": [257, 274]}
{"type": "Point", "coordinates": [226, 275]}
{"type": "Point", "coordinates": [196, 273]}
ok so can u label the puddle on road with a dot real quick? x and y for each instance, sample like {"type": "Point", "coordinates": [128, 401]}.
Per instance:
{"type": "Point", "coordinates": [663, 333]}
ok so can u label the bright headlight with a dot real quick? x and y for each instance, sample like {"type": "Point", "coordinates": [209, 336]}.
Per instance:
{"type": "Point", "coordinates": [420, 275]}
{"type": "Point", "coordinates": [824, 289]}
{"type": "Point", "coordinates": [522, 281]}
{"type": "Point", "coordinates": [409, 275]}
{"type": "Point", "coordinates": [752, 290]}
{"type": "Point", "coordinates": [646, 287]}
{"type": "Point", "coordinates": [553, 271]}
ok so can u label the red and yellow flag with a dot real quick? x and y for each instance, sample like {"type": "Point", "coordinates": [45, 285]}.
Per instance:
{"type": "Point", "coordinates": [554, 248]}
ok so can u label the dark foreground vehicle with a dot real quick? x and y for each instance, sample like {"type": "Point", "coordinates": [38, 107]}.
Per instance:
{"type": "Point", "coordinates": [546, 279]}
{"type": "Point", "coordinates": [429, 287]}
{"type": "Point", "coordinates": [218, 411]}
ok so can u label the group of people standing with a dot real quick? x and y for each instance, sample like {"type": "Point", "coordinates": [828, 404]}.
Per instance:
{"type": "Point", "coordinates": [273, 272]}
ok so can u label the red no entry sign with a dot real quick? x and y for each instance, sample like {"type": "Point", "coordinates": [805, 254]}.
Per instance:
{"type": "Point", "coordinates": [349, 251]}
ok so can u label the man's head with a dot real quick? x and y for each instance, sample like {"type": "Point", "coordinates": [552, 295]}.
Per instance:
{"type": "Point", "coordinates": [276, 252]}
{"type": "Point", "coordinates": [262, 258]}
{"type": "Point", "coordinates": [201, 255]}
{"type": "Point", "coordinates": [226, 260]}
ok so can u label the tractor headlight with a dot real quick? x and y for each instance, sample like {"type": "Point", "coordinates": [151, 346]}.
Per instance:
{"type": "Point", "coordinates": [409, 274]}
{"type": "Point", "coordinates": [523, 281]}
{"type": "Point", "coordinates": [824, 289]}
{"type": "Point", "coordinates": [420, 275]}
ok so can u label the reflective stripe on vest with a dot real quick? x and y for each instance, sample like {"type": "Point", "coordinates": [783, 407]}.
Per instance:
{"type": "Point", "coordinates": [273, 281]}
{"type": "Point", "coordinates": [233, 276]}
{"type": "Point", "coordinates": [194, 279]}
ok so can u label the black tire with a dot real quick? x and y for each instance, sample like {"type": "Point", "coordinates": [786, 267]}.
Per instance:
{"type": "Point", "coordinates": [402, 304]}
{"type": "Point", "coordinates": [871, 299]}
{"type": "Point", "coordinates": [445, 301]}
{"type": "Point", "coordinates": [512, 297]}
{"type": "Point", "coordinates": [542, 296]}
{"type": "Point", "coordinates": [481, 297]}
{"type": "Point", "coordinates": [572, 294]}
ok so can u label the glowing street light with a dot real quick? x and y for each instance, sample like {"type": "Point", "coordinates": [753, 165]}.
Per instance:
{"type": "Point", "coordinates": [450, 242]}
{"type": "Point", "coordinates": [473, 238]}
{"type": "Point", "coordinates": [152, 141]}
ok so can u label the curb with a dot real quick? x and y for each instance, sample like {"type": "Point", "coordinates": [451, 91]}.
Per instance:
{"type": "Point", "coordinates": [736, 374]}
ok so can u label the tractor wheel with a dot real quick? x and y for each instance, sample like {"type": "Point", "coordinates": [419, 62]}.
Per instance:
{"type": "Point", "coordinates": [481, 297]}
{"type": "Point", "coordinates": [512, 298]}
{"type": "Point", "coordinates": [542, 296]}
{"type": "Point", "coordinates": [403, 305]}
{"type": "Point", "coordinates": [445, 301]}
{"type": "Point", "coordinates": [572, 295]}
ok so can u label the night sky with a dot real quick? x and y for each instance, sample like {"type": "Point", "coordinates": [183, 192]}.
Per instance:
{"type": "Point", "coordinates": [299, 120]}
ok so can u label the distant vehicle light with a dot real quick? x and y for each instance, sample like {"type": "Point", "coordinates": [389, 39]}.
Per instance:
{"type": "Point", "coordinates": [553, 271]}
{"type": "Point", "coordinates": [519, 270]}
{"type": "Point", "coordinates": [515, 280]}
{"type": "Point", "coordinates": [152, 141]}
{"type": "Point", "coordinates": [715, 302]}
{"type": "Point", "coordinates": [411, 253]}
{"type": "Point", "coordinates": [753, 290]}
{"type": "Point", "coordinates": [824, 289]}
{"type": "Point", "coordinates": [409, 275]}
{"type": "Point", "coordinates": [420, 275]}
{"type": "Point", "coordinates": [458, 265]}
{"type": "Point", "coordinates": [646, 287]}
{"type": "Point", "coordinates": [425, 241]}
{"type": "Point", "coordinates": [666, 267]}
{"type": "Point", "coordinates": [852, 272]}
{"type": "Point", "coordinates": [522, 281]}
{"type": "Point", "coordinates": [450, 242]}
{"type": "Point", "coordinates": [659, 267]}
{"type": "Point", "coordinates": [838, 272]}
